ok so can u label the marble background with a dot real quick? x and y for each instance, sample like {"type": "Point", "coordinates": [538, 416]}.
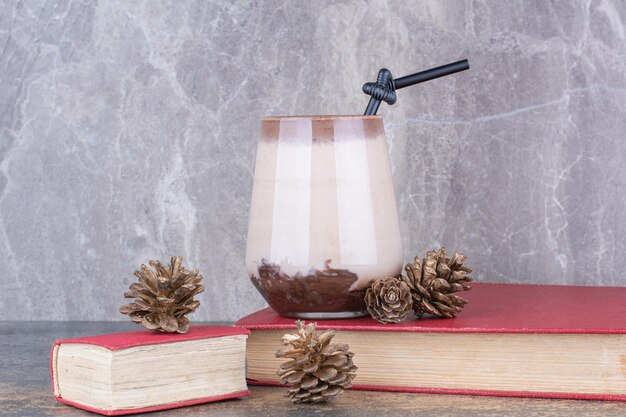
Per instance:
{"type": "Point", "coordinates": [128, 132]}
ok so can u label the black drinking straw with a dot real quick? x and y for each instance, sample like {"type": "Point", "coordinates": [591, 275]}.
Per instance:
{"type": "Point", "coordinates": [385, 86]}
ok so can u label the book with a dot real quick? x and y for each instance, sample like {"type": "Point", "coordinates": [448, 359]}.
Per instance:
{"type": "Point", "coordinates": [546, 341]}
{"type": "Point", "coordinates": [140, 371]}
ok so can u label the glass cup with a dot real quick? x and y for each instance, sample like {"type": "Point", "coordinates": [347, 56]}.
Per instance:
{"type": "Point", "coordinates": [323, 219]}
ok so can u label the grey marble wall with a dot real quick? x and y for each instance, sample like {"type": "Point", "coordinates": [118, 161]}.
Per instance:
{"type": "Point", "coordinates": [128, 132]}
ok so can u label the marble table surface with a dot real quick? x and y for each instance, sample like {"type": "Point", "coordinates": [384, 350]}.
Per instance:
{"type": "Point", "coordinates": [25, 388]}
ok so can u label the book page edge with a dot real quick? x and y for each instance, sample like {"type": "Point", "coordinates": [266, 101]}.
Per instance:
{"type": "Point", "coordinates": [53, 368]}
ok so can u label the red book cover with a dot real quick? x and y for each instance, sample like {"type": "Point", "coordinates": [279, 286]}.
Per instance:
{"type": "Point", "coordinates": [494, 308]}
{"type": "Point", "coordinates": [117, 341]}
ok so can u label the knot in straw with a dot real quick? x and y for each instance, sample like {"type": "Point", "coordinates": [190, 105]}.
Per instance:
{"type": "Point", "coordinates": [383, 89]}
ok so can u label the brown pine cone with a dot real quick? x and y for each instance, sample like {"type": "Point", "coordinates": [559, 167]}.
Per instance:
{"type": "Point", "coordinates": [317, 370]}
{"type": "Point", "coordinates": [388, 300]}
{"type": "Point", "coordinates": [163, 296]}
{"type": "Point", "coordinates": [433, 283]}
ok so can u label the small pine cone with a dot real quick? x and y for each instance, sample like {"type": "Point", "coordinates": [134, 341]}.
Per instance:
{"type": "Point", "coordinates": [163, 296]}
{"type": "Point", "coordinates": [388, 300]}
{"type": "Point", "coordinates": [434, 281]}
{"type": "Point", "coordinates": [317, 370]}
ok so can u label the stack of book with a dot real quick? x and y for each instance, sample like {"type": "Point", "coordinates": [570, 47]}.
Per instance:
{"type": "Point", "coordinates": [510, 340]}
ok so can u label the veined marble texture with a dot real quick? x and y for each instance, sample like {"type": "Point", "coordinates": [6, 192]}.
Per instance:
{"type": "Point", "coordinates": [128, 132]}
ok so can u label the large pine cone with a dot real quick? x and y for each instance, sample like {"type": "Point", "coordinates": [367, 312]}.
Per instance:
{"type": "Point", "coordinates": [164, 296]}
{"type": "Point", "coordinates": [433, 282]}
{"type": "Point", "coordinates": [388, 300]}
{"type": "Point", "coordinates": [318, 370]}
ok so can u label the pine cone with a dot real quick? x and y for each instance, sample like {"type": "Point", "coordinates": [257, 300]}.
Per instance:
{"type": "Point", "coordinates": [433, 282]}
{"type": "Point", "coordinates": [163, 296]}
{"type": "Point", "coordinates": [388, 300]}
{"type": "Point", "coordinates": [318, 370]}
